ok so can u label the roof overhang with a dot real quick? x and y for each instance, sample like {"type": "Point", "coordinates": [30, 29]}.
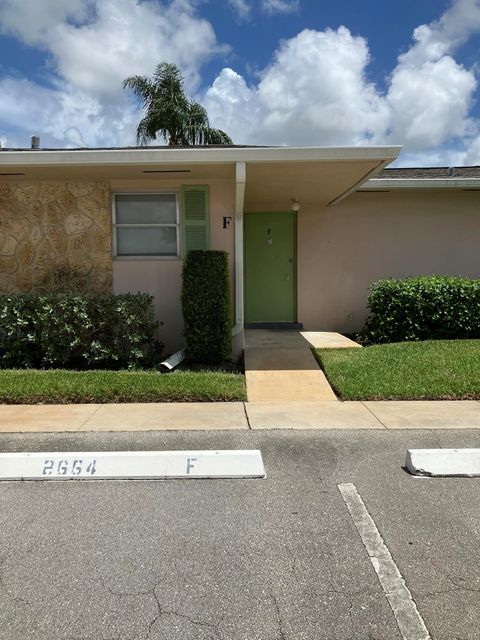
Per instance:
{"type": "Point", "coordinates": [323, 180]}
{"type": "Point", "coordinates": [275, 175]}
{"type": "Point", "coordinates": [392, 184]}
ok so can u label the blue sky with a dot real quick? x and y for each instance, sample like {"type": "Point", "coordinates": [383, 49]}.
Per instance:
{"type": "Point", "coordinates": [388, 26]}
{"type": "Point", "coordinates": [297, 72]}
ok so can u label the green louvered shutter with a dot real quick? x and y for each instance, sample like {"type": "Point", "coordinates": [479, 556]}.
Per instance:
{"type": "Point", "coordinates": [196, 232]}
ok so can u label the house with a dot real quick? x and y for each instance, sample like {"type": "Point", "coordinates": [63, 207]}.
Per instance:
{"type": "Point", "coordinates": [306, 229]}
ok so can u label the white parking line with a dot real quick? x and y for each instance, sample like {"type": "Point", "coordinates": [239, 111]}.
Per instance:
{"type": "Point", "coordinates": [409, 621]}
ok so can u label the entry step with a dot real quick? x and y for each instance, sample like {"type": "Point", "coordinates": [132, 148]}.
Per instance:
{"type": "Point", "coordinates": [275, 326]}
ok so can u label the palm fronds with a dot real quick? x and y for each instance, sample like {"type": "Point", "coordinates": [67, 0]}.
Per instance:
{"type": "Point", "coordinates": [168, 111]}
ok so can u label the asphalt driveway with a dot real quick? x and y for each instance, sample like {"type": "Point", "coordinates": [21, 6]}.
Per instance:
{"type": "Point", "coordinates": [273, 559]}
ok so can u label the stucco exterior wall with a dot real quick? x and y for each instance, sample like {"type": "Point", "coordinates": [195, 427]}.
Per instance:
{"type": "Point", "coordinates": [373, 235]}
{"type": "Point", "coordinates": [162, 277]}
{"type": "Point", "coordinates": [55, 236]}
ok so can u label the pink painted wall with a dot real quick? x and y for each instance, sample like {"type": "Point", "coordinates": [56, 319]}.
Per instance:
{"type": "Point", "coordinates": [376, 235]}
{"type": "Point", "coordinates": [341, 250]}
{"type": "Point", "coordinates": [162, 277]}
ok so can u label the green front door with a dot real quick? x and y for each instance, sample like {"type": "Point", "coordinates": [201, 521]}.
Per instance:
{"type": "Point", "coordinates": [270, 267]}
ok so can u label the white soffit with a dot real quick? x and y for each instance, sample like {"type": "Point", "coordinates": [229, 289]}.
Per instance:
{"type": "Point", "coordinates": [272, 186]}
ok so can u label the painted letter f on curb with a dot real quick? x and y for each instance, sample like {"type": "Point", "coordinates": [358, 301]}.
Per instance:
{"type": "Point", "coordinates": [190, 464]}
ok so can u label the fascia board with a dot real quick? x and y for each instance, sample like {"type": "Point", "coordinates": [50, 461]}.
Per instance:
{"type": "Point", "coordinates": [100, 157]}
{"type": "Point", "coordinates": [386, 184]}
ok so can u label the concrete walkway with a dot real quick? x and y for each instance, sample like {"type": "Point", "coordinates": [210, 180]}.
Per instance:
{"type": "Point", "coordinates": [239, 415]}
{"type": "Point", "coordinates": [280, 366]}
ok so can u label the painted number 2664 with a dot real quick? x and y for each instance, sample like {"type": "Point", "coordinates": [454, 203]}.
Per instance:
{"type": "Point", "coordinates": [69, 468]}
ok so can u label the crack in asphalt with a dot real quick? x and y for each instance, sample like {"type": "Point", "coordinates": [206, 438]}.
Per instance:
{"type": "Point", "coordinates": [152, 623]}
{"type": "Point", "coordinates": [459, 584]}
{"type": "Point", "coordinates": [281, 630]}
{"type": "Point", "coordinates": [160, 610]}
{"type": "Point", "coordinates": [172, 612]}
{"type": "Point", "coordinates": [441, 592]}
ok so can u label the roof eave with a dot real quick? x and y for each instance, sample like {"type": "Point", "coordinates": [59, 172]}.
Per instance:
{"type": "Point", "coordinates": [392, 184]}
{"type": "Point", "coordinates": [101, 157]}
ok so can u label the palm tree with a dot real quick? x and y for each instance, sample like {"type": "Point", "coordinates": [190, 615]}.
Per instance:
{"type": "Point", "coordinates": [169, 113]}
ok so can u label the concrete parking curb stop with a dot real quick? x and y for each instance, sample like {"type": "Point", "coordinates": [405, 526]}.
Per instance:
{"type": "Point", "coordinates": [206, 416]}
{"type": "Point", "coordinates": [459, 463]}
{"type": "Point", "coordinates": [131, 465]}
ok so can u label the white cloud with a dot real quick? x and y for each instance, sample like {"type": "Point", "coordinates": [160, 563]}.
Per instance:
{"type": "Point", "coordinates": [97, 54]}
{"type": "Point", "coordinates": [280, 6]}
{"type": "Point", "coordinates": [33, 22]}
{"type": "Point", "coordinates": [92, 48]}
{"type": "Point", "coordinates": [241, 8]}
{"type": "Point", "coordinates": [431, 94]}
{"type": "Point", "coordinates": [471, 155]}
{"type": "Point", "coordinates": [116, 47]}
{"type": "Point", "coordinates": [316, 88]}
{"type": "Point", "coordinates": [316, 91]}
{"type": "Point", "coordinates": [67, 116]}
{"type": "Point", "coordinates": [233, 107]}
{"type": "Point", "coordinates": [443, 36]}
{"type": "Point", "coordinates": [430, 104]}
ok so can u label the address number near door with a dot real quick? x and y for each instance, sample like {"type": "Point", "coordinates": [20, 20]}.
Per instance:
{"type": "Point", "coordinates": [69, 467]}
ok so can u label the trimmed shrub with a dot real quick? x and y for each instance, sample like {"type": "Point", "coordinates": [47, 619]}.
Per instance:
{"type": "Point", "coordinates": [206, 306]}
{"type": "Point", "coordinates": [78, 332]}
{"type": "Point", "coordinates": [423, 308]}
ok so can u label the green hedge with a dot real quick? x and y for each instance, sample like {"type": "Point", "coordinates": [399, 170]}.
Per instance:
{"type": "Point", "coordinates": [423, 308]}
{"type": "Point", "coordinates": [81, 332]}
{"type": "Point", "coordinates": [206, 306]}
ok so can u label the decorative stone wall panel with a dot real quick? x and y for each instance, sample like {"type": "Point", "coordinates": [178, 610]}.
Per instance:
{"type": "Point", "coordinates": [55, 237]}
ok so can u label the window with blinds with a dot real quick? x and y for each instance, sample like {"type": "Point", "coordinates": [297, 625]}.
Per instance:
{"type": "Point", "coordinates": [146, 225]}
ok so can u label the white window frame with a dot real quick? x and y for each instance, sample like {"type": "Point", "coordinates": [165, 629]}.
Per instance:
{"type": "Point", "coordinates": [115, 226]}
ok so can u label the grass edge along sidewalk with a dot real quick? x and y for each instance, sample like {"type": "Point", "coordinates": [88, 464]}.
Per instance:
{"type": "Point", "coordinates": [429, 370]}
{"type": "Point", "coordinates": [58, 386]}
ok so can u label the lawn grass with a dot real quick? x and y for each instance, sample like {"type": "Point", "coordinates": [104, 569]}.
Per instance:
{"type": "Point", "coordinates": [26, 386]}
{"type": "Point", "coordinates": [430, 370]}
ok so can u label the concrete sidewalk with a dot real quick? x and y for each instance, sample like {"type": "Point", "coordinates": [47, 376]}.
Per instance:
{"type": "Point", "coordinates": [238, 415]}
